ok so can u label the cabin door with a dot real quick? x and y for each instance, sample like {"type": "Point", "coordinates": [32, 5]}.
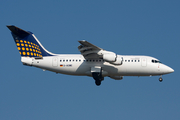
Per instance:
{"type": "Point", "coordinates": [54, 62]}
{"type": "Point", "coordinates": [143, 62]}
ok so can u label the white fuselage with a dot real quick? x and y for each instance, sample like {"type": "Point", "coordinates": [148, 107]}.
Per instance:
{"type": "Point", "coordinates": [93, 60]}
{"type": "Point", "coordinates": [73, 64]}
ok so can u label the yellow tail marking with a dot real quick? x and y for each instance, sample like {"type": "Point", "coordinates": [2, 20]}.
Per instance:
{"type": "Point", "coordinates": [26, 46]}
{"type": "Point", "coordinates": [24, 53]}
{"type": "Point", "coordinates": [23, 48]}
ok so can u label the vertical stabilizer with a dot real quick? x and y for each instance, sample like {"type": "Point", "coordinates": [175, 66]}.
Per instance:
{"type": "Point", "coordinates": [27, 44]}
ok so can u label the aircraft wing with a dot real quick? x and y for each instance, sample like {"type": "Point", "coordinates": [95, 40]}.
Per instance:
{"type": "Point", "coordinates": [90, 51]}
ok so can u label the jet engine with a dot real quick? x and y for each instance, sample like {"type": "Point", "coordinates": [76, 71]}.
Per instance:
{"type": "Point", "coordinates": [119, 60]}
{"type": "Point", "coordinates": [113, 58]}
{"type": "Point", "coordinates": [116, 77]}
{"type": "Point", "coordinates": [110, 57]}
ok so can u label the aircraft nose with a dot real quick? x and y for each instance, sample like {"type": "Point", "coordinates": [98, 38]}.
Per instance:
{"type": "Point", "coordinates": [167, 69]}
{"type": "Point", "coordinates": [170, 70]}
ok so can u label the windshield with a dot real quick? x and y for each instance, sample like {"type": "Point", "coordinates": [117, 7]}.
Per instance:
{"type": "Point", "coordinates": [155, 61]}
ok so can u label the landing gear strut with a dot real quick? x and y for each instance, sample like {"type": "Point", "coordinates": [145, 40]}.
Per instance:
{"type": "Point", "coordinates": [160, 79]}
{"type": "Point", "coordinates": [97, 77]}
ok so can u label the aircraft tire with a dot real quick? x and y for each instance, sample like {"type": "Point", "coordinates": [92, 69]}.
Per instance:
{"type": "Point", "coordinates": [98, 82]}
{"type": "Point", "coordinates": [160, 79]}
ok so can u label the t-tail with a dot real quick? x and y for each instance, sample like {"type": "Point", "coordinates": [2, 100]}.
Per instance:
{"type": "Point", "coordinates": [27, 44]}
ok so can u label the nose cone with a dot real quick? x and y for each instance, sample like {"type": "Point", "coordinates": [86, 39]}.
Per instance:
{"type": "Point", "coordinates": [169, 70]}
{"type": "Point", "coordinates": [166, 70]}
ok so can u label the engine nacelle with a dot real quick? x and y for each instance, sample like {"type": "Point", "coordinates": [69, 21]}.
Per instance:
{"type": "Point", "coordinates": [116, 77]}
{"type": "Point", "coordinates": [119, 60]}
{"type": "Point", "coordinates": [110, 57]}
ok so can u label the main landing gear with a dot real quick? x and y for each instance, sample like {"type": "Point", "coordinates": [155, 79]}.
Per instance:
{"type": "Point", "coordinates": [160, 79]}
{"type": "Point", "coordinates": [97, 77]}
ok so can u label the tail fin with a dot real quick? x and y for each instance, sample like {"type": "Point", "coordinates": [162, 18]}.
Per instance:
{"type": "Point", "coordinates": [27, 44]}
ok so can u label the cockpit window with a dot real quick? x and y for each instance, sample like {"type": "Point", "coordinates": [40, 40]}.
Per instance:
{"type": "Point", "coordinates": [155, 61]}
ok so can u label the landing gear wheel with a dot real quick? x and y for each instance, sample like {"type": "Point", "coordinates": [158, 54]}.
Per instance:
{"type": "Point", "coordinates": [160, 79]}
{"type": "Point", "coordinates": [98, 82]}
{"type": "Point", "coordinates": [97, 77]}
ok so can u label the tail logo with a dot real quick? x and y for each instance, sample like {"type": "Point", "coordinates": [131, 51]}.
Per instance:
{"type": "Point", "coordinates": [27, 44]}
{"type": "Point", "coordinates": [28, 49]}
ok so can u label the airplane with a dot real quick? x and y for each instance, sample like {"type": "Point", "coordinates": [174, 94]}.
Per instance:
{"type": "Point", "coordinates": [93, 61]}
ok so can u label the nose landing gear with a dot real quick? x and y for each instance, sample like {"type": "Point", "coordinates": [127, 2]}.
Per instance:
{"type": "Point", "coordinates": [160, 79]}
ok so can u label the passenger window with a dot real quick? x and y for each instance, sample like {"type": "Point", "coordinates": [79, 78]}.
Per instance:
{"type": "Point", "coordinates": [128, 60]}
{"type": "Point", "coordinates": [131, 60]}
{"type": "Point", "coordinates": [134, 60]}
{"type": "Point", "coordinates": [60, 60]}
{"type": "Point", "coordinates": [63, 60]}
